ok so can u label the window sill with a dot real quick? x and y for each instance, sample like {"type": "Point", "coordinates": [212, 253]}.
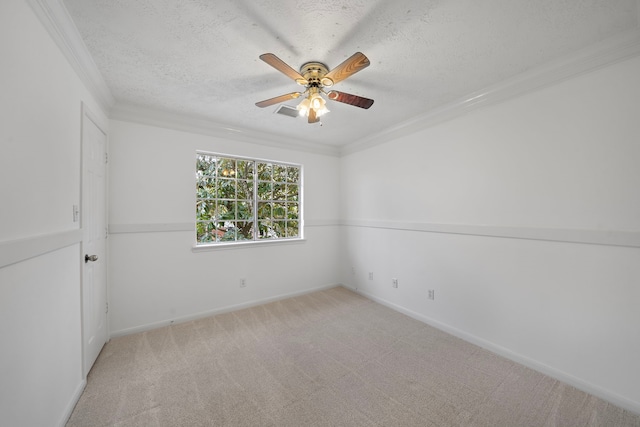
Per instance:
{"type": "Point", "coordinates": [246, 245]}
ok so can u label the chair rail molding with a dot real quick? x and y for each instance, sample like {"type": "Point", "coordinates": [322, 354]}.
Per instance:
{"type": "Point", "coordinates": [14, 251]}
{"type": "Point", "coordinates": [566, 235]}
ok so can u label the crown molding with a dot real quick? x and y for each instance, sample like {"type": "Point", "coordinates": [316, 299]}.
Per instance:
{"type": "Point", "coordinates": [56, 20]}
{"type": "Point", "coordinates": [608, 52]}
{"type": "Point", "coordinates": [188, 123]}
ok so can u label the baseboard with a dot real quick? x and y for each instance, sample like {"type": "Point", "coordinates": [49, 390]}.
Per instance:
{"type": "Point", "coordinates": [518, 358]}
{"type": "Point", "coordinates": [200, 315]}
{"type": "Point", "coordinates": [72, 403]}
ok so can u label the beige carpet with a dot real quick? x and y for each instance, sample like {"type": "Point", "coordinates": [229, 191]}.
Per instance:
{"type": "Point", "coordinates": [331, 358]}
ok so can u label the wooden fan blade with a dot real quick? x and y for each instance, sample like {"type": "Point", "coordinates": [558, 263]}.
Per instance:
{"type": "Point", "coordinates": [278, 99]}
{"type": "Point", "coordinates": [312, 116]}
{"type": "Point", "coordinates": [347, 98]}
{"type": "Point", "coordinates": [281, 66]}
{"type": "Point", "coordinates": [350, 66]}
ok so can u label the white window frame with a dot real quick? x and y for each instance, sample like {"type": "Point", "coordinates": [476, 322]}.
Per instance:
{"type": "Point", "coordinates": [255, 200]}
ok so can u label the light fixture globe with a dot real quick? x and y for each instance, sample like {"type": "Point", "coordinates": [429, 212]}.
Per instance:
{"type": "Point", "coordinates": [318, 104]}
{"type": "Point", "coordinates": [303, 107]}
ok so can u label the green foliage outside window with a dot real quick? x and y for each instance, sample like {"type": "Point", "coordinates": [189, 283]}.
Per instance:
{"type": "Point", "coordinates": [243, 199]}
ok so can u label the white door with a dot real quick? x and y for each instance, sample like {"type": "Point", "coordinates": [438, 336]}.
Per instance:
{"type": "Point", "coordinates": [94, 227]}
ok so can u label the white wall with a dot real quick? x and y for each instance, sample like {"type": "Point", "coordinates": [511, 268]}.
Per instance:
{"type": "Point", "coordinates": [562, 161]}
{"type": "Point", "coordinates": [156, 278]}
{"type": "Point", "coordinates": [40, 331]}
{"type": "Point", "coordinates": [40, 360]}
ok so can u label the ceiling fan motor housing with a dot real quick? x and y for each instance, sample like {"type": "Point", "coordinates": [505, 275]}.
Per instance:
{"type": "Point", "coordinates": [314, 73]}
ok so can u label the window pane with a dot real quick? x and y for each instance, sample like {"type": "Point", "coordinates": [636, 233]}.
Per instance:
{"type": "Point", "coordinates": [292, 229]}
{"type": "Point", "coordinates": [204, 231]}
{"type": "Point", "coordinates": [264, 210]}
{"type": "Point", "coordinates": [264, 171]}
{"type": "Point", "coordinates": [264, 190]}
{"type": "Point", "coordinates": [280, 228]}
{"type": "Point", "coordinates": [293, 174]}
{"type": "Point", "coordinates": [245, 231]}
{"type": "Point", "coordinates": [229, 232]}
{"type": "Point", "coordinates": [279, 192]}
{"type": "Point", "coordinates": [205, 209]}
{"type": "Point", "coordinates": [218, 230]}
{"type": "Point", "coordinates": [206, 188]}
{"type": "Point", "coordinates": [226, 168]}
{"type": "Point", "coordinates": [292, 211]}
{"type": "Point", "coordinates": [265, 230]}
{"type": "Point", "coordinates": [245, 210]}
{"type": "Point", "coordinates": [292, 192]}
{"type": "Point", "coordinates": [206, 165]}
{"type": "Point", "coordinates": [279, 173]}
{"type": "Point", "coordinates": [226, 210]}
{"type": "Point", "coordinates": [226, 189]}
{"type": "Point", "coordinates": [245, 190]}
{"type": "Point", "coordinates": [279, 210]}
{"type": "Point", "coordinates": [244, 169]}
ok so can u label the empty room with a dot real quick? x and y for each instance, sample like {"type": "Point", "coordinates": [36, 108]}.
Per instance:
{"type": "Point", "coordinates": [331, 213]}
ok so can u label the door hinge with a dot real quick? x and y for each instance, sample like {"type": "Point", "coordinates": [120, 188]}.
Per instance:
{"type": "Point", "coordinates": [107, 308]}
{"type": "Point", "coordinates": [106, 232]}
{"type": "Point", "coordinates": [106, 157]}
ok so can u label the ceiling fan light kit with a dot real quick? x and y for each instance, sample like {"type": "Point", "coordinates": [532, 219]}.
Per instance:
{"type": "Point", "coordinates": [313, 102]}
{"type": "Point", "coordinates": [315, 77]}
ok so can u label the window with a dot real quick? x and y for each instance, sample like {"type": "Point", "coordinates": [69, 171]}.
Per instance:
{"type": "Point", "coordinates": [240, 199]}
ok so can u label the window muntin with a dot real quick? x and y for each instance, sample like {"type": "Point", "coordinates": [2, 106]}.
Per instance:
{"type": "Point", "coordinates": [241, 199]}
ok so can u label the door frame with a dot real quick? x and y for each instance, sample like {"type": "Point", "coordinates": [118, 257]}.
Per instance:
{"type": "Point", "coordinates": [101, 123]}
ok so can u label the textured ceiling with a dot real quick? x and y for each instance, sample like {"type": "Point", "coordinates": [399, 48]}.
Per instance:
{"type": "Point", "coordinates": [200, 57]}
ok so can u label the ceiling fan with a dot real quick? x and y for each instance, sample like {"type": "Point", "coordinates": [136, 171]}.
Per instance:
{"type": "Point", "coordinates": [316, 77]}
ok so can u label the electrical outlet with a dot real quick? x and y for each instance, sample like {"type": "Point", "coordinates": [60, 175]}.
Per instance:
{"type": "Point", "coordinates": [371, 275]}
{"type": "Point", "coordinates": [432, 294]}
{"type": "Point", "coordinates": [394, 283]}
{"type": "Point", "coordinates": [243, 283]}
